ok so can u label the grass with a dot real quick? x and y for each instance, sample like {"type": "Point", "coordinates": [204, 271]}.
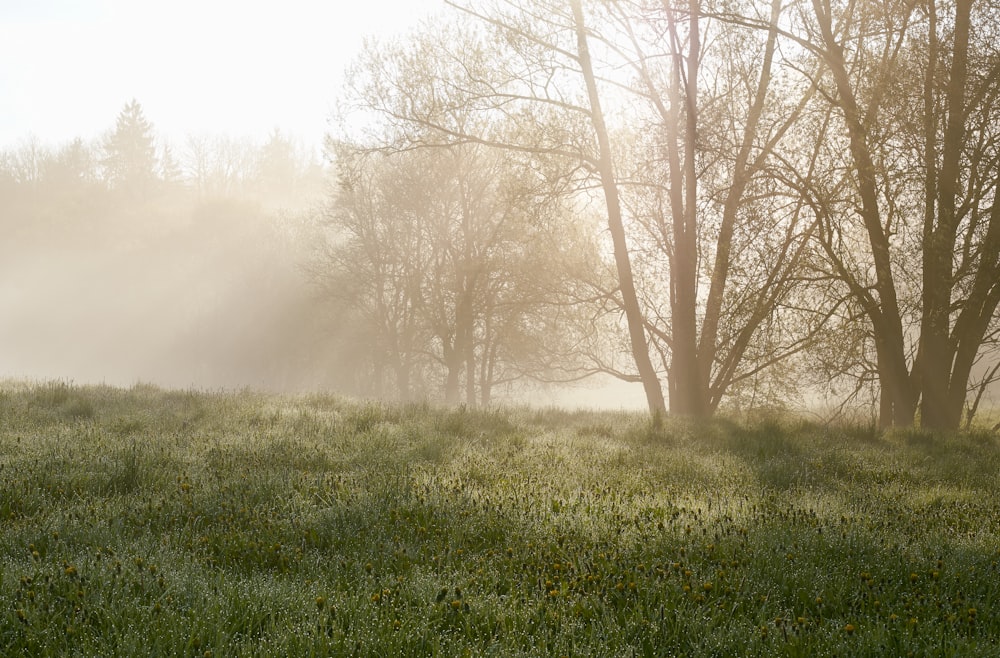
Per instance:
{"type": "Point", "coordinates": [160, 523]}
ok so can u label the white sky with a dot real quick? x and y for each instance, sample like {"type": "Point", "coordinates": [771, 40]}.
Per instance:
{"type": "Point", "coordinates": [218, 67]}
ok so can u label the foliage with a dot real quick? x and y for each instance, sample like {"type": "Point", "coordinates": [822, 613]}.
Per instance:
{"type": "Point", "coordinates": [188, 524]}
{"type": "Point", "coordinates": [451, 263]}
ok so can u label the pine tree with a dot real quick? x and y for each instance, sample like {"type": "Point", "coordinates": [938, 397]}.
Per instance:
{"type": "Point", "coordinates": [170, 169]}
{"type": "Point", "coordinates": [129, 151]}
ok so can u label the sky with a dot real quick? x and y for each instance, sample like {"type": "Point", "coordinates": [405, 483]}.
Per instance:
{"type": "Point", "coordinates": [198, 67]}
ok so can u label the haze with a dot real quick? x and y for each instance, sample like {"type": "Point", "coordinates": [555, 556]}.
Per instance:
{"type": "Point", "coordinates": [738, 207]}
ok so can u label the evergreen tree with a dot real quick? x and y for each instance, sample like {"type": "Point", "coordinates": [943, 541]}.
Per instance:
{"type": "Point", "coordinates": [130, 152]}
{"type": "Point", "coordinates": [170, 169]}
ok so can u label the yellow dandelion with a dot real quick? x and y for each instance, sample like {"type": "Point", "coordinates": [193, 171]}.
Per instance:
{"type": "Point", "coordinates": [849, 629]}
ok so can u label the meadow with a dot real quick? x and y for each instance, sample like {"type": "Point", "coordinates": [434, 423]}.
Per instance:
{"type": "Point", "coordinates": [162, 523]}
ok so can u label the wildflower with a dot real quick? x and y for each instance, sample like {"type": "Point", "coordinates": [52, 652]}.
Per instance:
{"type": "Point", "coordinates": [849, 629]}
{"type": "Point", "coordinates": [707, 587]}
{"type": "Point", "coordinates": [456, 604]}
{"type": "Point", "coordinates": [376, 597]}
{"type": "Point", "coordinates": [320, 602]}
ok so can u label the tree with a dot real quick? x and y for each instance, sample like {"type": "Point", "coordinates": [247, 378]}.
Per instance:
{"type": "Point", "coordinates": [701, 178]}
{"type": "Point", "coordinates": [537, 63]}
{"type": "Point", "coordinates": [130, 152]}
{"type": "Point", "coordinates": [170, 171]}
{"type": "Point", "coordinates": [921, 130]}
{"type": "Point", "coordinates": [445, 256]}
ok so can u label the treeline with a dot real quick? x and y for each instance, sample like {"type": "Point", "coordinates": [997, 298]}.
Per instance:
{"type": "Point", "coordinates": [126, 258]}
{"type": "Point", "coordinates": [131, 161]}
{"type": "Point", "coordinates": [792, 196]}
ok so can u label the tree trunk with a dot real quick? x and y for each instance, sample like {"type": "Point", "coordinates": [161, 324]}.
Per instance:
{"type": "Point", "coordinates": [453, 362]}
{"type": "Point", "coordinates": [938, 382]}
{"type": "Point", "coordinates": [885, 318]}
{"type": "Point", "coordinates": [688, 392]}
{"type": "Point", "coordinates": [630, 302]}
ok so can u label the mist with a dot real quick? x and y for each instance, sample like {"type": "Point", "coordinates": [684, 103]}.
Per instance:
{"type": "Point", "coordinates": [504, 208]}
{"type": "Point", "coordinates": [175, 290]}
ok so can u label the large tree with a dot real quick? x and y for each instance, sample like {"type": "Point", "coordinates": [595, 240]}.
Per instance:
{"type": "Point", "coordinates": [910, 223]}
{"type": "Point", "coordinates": [586, 82]}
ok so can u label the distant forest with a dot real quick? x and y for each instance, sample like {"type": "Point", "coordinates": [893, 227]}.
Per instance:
{"type": "Point", "coordinates": [737, 205]}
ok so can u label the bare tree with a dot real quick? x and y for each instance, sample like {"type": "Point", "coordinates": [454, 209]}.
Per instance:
{"type": "Point", "coordinates": [912, 230]}
{"type": "Point", "coordinates": [445, 255]}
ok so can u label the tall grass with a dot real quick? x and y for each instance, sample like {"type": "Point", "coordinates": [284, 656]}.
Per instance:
{"type": "Point", "coordinates": [149, 522]}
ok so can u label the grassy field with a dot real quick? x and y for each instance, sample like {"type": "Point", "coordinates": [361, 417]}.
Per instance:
{"type": "Point", "coordinates": [144, 522]}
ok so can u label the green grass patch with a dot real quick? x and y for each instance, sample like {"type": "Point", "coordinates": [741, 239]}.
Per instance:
{"type": "Point", "coordinates": [162, 523]}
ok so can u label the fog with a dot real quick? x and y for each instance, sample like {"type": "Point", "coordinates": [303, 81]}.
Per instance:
{"type": "Point", "coordinates": [206, 280]}
{"type": "Point", "coordinates": [210, 300]}
{"type": "Point", "coordinates": [582, 203]}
